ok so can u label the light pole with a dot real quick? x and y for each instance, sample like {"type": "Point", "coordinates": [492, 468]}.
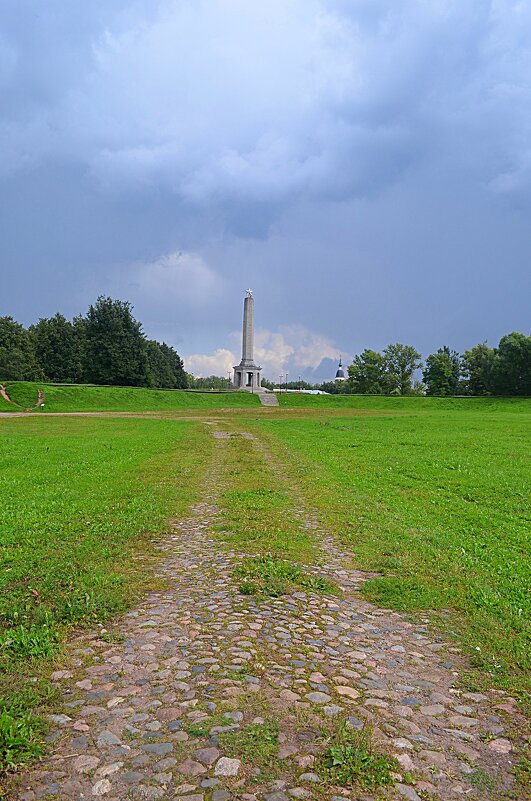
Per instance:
{"type": "Point", "coordinates": [229, 378]}
{"type": "Point", "coordinates": [286, 382]}
{"type": "Point", "coordinates": [280, 384]}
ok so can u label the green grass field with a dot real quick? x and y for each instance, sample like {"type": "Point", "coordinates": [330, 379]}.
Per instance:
{"type": "Point", "coordinates": [410, 404]}
{"type": "Point", "coordinates": [5, 406]}
{"type": "Point", "coordinates": [23, 394]}
{"type": "Point", "coordinates": [81, 499]}
{"type": "Point", "coordinates": [436, 502]}
{"type": "Point", "coordinates": [87, 398]}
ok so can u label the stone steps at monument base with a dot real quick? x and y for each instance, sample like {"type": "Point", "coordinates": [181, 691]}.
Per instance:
{"type": "Point", "coordinates": [268, 399]}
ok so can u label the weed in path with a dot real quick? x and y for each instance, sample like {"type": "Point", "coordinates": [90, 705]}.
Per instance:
{"type": "Point", "coordinates": [112, 637]}
{"type": "Point", "coordinates": [200, 728]}
{"type": "Point", "coordinates": [352, 759]}
{"type": "Point", "coordinates": [482, 780]}
{"type": "Point", "coordinates": [255, 745]}
{"type": "Point", "coordinates": [203, 727]}
{"type": "Point", "coordinates": [523, 770]}
{"type": "Point", "coordinates": [268, 575]}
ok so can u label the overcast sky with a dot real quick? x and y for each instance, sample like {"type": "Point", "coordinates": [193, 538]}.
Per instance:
{"type": "Point", "coordinates": [363, 165]}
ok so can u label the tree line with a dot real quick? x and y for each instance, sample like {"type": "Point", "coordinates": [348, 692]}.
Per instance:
{"type": "Point", "coordinates": [106, 346]}
{"type": "Point", "coordinates": [209, 382]}
{"type": "Point", "coordinates": [505, 370]}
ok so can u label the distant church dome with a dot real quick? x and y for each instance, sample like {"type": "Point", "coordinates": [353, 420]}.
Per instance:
{"type": "Point", "coordinates": [340, 375]}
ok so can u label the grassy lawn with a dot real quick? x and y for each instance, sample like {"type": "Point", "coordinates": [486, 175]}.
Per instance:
{"type": "Point", "coordinates": [24, 395]}
{"type": "Point", "coordinates": [79, 500]}
{"type": "Point", "coordinates": [410, 404]}
{"type": "Point", "coordinates": [434, 499]}
{"type": "Point", "coordinates": [258, 507]}
{"type": "Point", "coordinates": [7, 407]}
{"type": "Point", "coordinates": [87, 398]}
{"type": "Point", "coordinates": [259, 519]}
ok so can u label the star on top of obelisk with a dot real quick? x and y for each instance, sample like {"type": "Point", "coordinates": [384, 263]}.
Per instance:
{"type": "Point", "coordinates": [249, 293]}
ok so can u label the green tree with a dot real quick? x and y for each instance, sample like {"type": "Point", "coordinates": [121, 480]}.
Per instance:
{"type": "Point", "coordinates": [329, 386]}
{"type": "Point", "coordinates": [115, 347]}
{"type": "Point", "coordinates": [442, 372]}
{"type": "Point", "coordinates": [478, 369]}
{"type": "Point", "coordinates": [17, 357]}
{"type": "Point", "coordinates": [334, 387]}
{"type": "Point", "coordinates": [159, 371]}
{"type": "Point", "coordinates": [401, 361]}
{"type": "Point", "coordinates": [419, 388]}
{"type": "Point", "coordinates": [165, 366]}
{"type": "Point", "coordinates": [178, 375]}
{"type": "Point", "coordinates": [367, 373]}
{"type": "Point", "coordinates": [297, 385]}
{"type": "Point", "coordinates": [512, 365]}
{"type": "Point", "coordinates": [210, 382]}
{"type": "Point", "coordinates": [57, 349]}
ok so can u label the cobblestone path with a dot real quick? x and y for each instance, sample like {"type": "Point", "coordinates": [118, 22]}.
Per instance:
{"type": "Point", "coordinates": [170, 710]}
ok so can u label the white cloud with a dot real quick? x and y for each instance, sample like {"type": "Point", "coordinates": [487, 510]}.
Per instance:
{"type": "Point", "coordinates": [220, 363]}
{"type": "Point", "coordinates": [294, 349]}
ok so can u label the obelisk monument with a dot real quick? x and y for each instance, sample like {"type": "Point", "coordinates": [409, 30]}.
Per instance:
{"type": "Point", "coordinates": [247, 373]}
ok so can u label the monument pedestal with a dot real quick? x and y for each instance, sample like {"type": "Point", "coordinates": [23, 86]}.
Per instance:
{"type": "Point", "coordinates": [247, 376]}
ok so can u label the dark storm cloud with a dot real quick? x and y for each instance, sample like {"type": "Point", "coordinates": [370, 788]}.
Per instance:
{"type": "Point", "coordinates": [357, 161]}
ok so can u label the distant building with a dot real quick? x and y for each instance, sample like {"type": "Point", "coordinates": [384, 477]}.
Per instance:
{"type": "Point", "coordinates": [340, 374]}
